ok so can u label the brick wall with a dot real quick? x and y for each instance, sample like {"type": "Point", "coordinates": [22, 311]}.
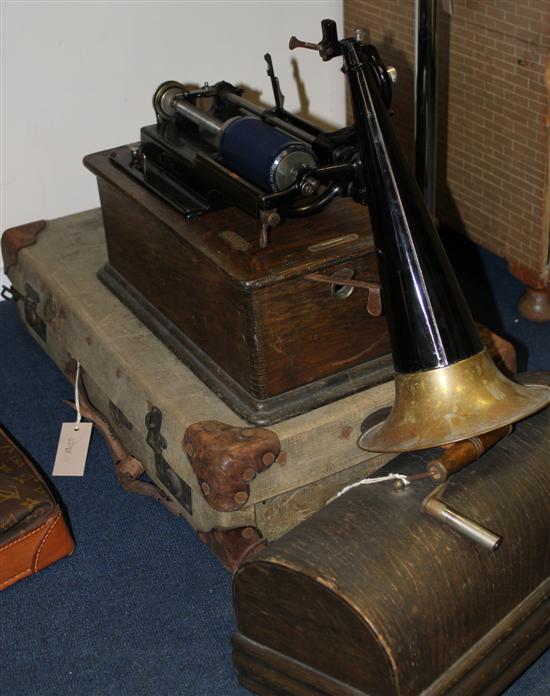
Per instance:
{"type": "Point", "coordinates": [493, 150]}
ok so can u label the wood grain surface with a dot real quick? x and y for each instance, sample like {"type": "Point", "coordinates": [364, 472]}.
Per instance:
{"type": "Point", "coordinates": [250, 309]}
{"type": "Point", "coordinates": [386, 600]}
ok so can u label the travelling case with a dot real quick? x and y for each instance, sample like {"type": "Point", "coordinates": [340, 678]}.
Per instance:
{"type": "Point", "coordinates": [238, 485]}
{"type": "Point", "coordinates": [244, 485]}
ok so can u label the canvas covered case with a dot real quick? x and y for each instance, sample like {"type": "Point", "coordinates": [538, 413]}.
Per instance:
{"type": "Point", "coordinates": [370, 596]}
{"type": "Point", "coordinates": [153, 402]}
{"type": "Point", "coordinates": [237, 484]}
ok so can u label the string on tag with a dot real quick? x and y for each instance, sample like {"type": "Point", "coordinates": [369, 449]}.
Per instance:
{"type": "Point", "coordinates": [367, 481]}
{"type": "Point", "coordinates": [76, 399]}
{"type": "Point", "coordinates": [74, 438]}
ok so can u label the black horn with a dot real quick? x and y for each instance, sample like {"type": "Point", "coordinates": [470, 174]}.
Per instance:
{"type": "Point", "coordinates": [447, 386]}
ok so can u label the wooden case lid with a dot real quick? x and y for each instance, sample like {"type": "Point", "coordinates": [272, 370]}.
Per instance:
{"type": "Point", "coordinates": [376, 597]}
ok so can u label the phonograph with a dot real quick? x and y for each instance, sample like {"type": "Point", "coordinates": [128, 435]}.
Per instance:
{"type": "Point", "coordinates": [254, 319]}
{"type": "Point", "coordinates": [212, 148]}
{"type": "Point", "coordinates": [234, 232]}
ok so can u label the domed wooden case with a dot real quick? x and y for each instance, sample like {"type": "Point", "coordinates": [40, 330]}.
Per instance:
{"type": "Point", "coordinates": [371, 597]}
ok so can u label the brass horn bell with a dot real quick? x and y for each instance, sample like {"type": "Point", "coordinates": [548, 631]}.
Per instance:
{"type": "Point", "coordinates": [447, 387]}
{"type": "Point", "coordinates": [452, 403]}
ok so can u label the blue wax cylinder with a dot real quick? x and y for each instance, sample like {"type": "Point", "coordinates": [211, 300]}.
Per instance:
{"type": "Point", "coordinates": [263, 155]}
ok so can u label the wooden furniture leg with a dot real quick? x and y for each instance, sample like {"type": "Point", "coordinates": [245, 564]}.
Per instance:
{"type": "Point", "coordinates": [534, 304]}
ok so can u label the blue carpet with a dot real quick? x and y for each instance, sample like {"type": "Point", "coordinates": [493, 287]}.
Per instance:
{"type": "Point", "coordinates": [142, 608]}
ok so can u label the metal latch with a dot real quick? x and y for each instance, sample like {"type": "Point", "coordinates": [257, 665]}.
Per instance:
{"type": "Point", "coordinates": [11, 294]}
{"type": "Point", "coordinates": [374, 302]}
{"type": "Point", "coordinates": [157, 442]}
{"type": "Point", "coordinates": [30, 300]}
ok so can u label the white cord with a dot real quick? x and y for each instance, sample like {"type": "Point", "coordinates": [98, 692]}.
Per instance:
{"type": "Point", "coordinates": [76, 399]}
{"type": "Point", "coordinates": [366, 481]}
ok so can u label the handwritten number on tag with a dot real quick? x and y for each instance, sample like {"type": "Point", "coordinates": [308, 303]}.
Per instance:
{"type": "Point", "coordinates": [72, 449]}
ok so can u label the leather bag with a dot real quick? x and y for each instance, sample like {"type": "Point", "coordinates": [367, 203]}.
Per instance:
{"type": "Point", "coordinates": [33, 532]}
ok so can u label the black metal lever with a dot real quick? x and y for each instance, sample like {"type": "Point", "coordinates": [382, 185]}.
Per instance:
{"type": "Point", "coordinates": [328, 47]}
{"type": "Point", "coordinates": [278, 96]}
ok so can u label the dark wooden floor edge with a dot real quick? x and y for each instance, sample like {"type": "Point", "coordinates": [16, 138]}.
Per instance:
{"type": "Point", "coordinates": [509, 675]}
{"type": "Point", "coordinates": [278, 674]}
{"type": "Point", "coordinates": [486, 669]}
{"type": "Point", "coordinates": [257, 687]}
{"type": "Point", "coordinates": [503, 653]}
{"type": "Point", "coordinates": [258, 411]}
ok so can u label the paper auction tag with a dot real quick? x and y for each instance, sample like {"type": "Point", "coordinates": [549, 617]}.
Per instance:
{"type": "Point", "coordinates": [72, 449]}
